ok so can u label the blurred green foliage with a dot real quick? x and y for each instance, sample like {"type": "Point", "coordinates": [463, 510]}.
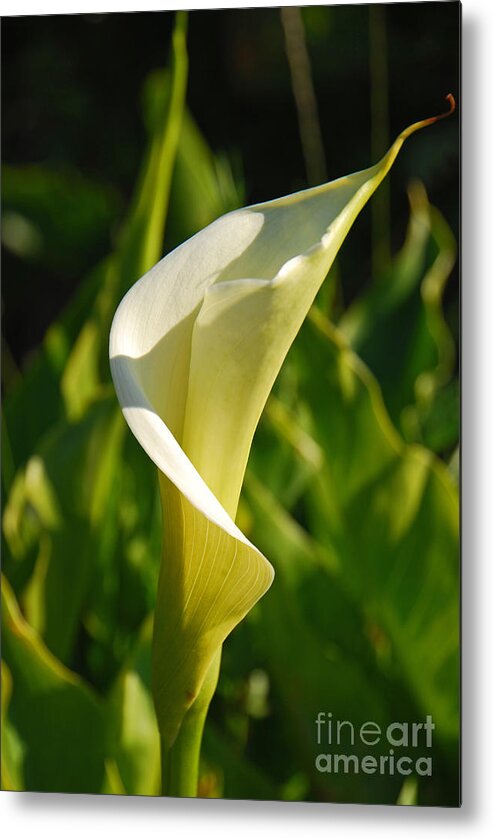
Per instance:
{"type": "Point", "coordinates": [348, 492]}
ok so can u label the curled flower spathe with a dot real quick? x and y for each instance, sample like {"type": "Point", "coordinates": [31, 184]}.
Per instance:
{"type": "Point", "coordinates": [195, 347]}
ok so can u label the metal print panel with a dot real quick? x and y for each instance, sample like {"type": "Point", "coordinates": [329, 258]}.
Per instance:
{"type": "Point", "coordinates": [230, 447]}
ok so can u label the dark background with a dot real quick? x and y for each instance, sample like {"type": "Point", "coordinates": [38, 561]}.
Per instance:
{"type": "Point", "coordinates": [71, 107]}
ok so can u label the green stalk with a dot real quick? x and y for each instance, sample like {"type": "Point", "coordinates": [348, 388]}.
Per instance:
{"type": "Point", "coordinates": [381, 245]}
{"type": "Point", "coordinates": [180, 762]}
{"type": "Point", "coordinates": [166, 147]}
{"type": "Point", "coordinates": [304, 94]}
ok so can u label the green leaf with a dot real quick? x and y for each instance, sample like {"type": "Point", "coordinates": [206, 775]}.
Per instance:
{"type": "Point", "coordinates": [58, 218]}
{"type": "Point", "coordinates": [12, 751]}
{"type": "Point", "coordinates": [388, 512]}
{"type": "Point", "coordinates": [312, 634]}
{"type": "Point", "coordinates": [133, 738]}
{"type": "Point", "coordinates": [62, 496]}
{"type": "Point", "coordinates": [55, 715]}
{"type": "Point", "coordinates": [398, 327]}
{"type": "Point", "coordinates": [327, 651]}
{"type": "Point", "coordinates": [206, 177]}
{"type": "Point", "coordinates": [284, 456]}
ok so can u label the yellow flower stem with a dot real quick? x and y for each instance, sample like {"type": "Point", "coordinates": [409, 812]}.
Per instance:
{"type": "Point", "coordinates": [180, 763]}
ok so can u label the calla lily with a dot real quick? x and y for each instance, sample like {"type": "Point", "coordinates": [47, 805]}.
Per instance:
{"type": "Point", "coordinates": [195, 347]}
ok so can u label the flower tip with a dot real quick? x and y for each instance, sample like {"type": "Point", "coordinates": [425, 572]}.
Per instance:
{"type": "Point", "coordinates": [451, 101]}
{"type": "Point", "coordinates": [431, 120]}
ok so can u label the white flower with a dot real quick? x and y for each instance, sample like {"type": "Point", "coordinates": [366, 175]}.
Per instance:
{"type": "Point", "coordinates": [195, 348]}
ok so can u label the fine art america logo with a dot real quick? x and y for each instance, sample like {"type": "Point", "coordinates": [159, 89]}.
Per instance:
{"type": "Point", "coordinates": [407, 746]}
